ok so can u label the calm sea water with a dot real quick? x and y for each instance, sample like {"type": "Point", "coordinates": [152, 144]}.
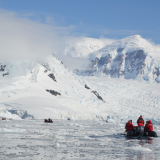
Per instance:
{"type": "Point", "coordinates": [73, 140]}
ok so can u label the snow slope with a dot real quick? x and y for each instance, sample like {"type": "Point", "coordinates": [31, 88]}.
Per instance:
{"type": "Point", "coordinates": [28, 90]}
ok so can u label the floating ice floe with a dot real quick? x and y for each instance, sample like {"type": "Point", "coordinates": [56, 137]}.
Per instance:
{"type": "Point", "coordinates": [11, 130]}
{"type": "Point", "coordinates": [139, 148]}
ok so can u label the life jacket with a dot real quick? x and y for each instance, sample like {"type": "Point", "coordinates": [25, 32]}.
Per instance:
{"type": "Point", "coordinates": [140, 121]}
{"type": "Point", "coordinates": [129, 126]}
{"type": "Point", "coordinates": [149, 127]}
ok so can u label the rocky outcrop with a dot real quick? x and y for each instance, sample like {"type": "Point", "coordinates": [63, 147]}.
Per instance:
{"type": "Point", "coordinates": [95, 92]}
{"type": "Point", "coordinates": [157, 71]}
{"type": "Point", "coordinates": [86, 87]}
{"type": "Point", "coordinates": [135, 62]}
{"type": "Point", "coordinates": [55, 93]}
{"type": "Point", "coordinates": [157, 74]}
{"type": "Point", "coordinates": [120, 49]}
{"type": "Point", "coordinates": [95, 62]}
{"type": "Point", "coordinates": [129, 64]}
{"type": "Point", "coordinates": [5, 74]}
{"type": "Point", "coordinates": [105, 60]}
{"type": "Point", "coordinates": [2, 67]}
{"type": "Point", "coordinates": [51, 75]}
{"type": "Point", "coordinates": [45, 71]}
{"type": "Point", "coordinates": [98, 96]}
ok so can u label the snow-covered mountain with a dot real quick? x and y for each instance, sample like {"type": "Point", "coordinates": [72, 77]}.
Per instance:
{"type": "Point", "coordinates": [132, 58]}
{"type": "Point", "coordinates": [48, 89]}
{"type": "Point", "coordinates": [82, 47]}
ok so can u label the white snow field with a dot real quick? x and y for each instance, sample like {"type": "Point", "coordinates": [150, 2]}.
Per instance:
{"type": "Point", "coordinates": [27, 91]}
{"type": "Point", "coordinates": [73, 140]}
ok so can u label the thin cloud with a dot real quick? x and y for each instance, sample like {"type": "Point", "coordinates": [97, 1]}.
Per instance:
{"type": "Point", "coordinates": [74, 62]}
{"type": "Point", "coordinates": [22, 38]}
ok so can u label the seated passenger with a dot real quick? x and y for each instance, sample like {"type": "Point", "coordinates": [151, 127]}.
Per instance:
{"type": "Point", "coordinates": [148, 127]}
{"type": "Point", "coordinates": [140, 121]}
{"type": "Point", "coordinates": [129, 126]}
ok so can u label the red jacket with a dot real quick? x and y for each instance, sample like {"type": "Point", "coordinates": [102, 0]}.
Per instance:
{"type": "Point", "coordinates": [129, 126]}
{"type": "Point", "coordinates": [149, 127]}
{"type": "Point", "coordinates": [140, 121]}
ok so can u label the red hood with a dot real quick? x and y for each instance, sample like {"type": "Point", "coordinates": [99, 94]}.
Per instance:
{"type": "Point", "coordinates": [140, 117]}
{"type": "Point", "coordinates": [149, 122]}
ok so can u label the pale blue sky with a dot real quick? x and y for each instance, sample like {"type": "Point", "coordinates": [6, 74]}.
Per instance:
{"type": "Point", "coordinates": [94, 18]}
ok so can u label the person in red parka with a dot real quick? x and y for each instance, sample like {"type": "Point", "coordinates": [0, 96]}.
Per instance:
{"type": "Point", "coordinates": [129, 126]}
{"type": "Point", "coordinates": [148, 127]}
{"type": "Point", "coordinates": [140, 121]}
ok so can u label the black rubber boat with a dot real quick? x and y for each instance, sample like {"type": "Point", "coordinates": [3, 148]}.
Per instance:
{"type": "Point", "coordinates": [48, 121]}
{"type": "Point", "coordinates": [139, 131]}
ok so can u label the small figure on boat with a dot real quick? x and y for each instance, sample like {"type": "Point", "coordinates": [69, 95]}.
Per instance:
{"type": "Point", "coordinates": [148, 129]}
{"type": "Point", "coordinates": [48, 120]}
{"type": "Point", "coordinates": [140, 121]}
{"type": "Point", "coordinates": [129, 126]}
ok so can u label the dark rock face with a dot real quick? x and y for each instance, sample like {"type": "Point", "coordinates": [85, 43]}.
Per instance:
{"type": "Point", "coordinates": [105, 60]}
{"type": "Point", "coordinates": [45, 71]}
{"type": "Point", "coordinates": [106, 71]}
{"type": "Point", "coordinates": [86, 86]}
{"type": "Point", "coordinates": [2, 67]}
{"type": "Point", "coordinates": [140, 55]}
{"type": "Point", "coordinates": [55, 93]}
{"type": "Point", "coordinates": [135, 62]}
{"type": "Point", "coordinates": [5, 74]}
{"type": "Point", "coordinates": [51, 75]}
{"type": "Point", "coordinates": [96, 93]}
{"type": "Point", "coordinates": [98, 96]}
{"type": "Point", "coordinates": [95, 62]}
{"type": "Point", "coordinates": [157, 74]}
{"type": "Point", "coordinates": [157, 71]}
{"type": "Point", "coordinates": [128, 64]}
{"type": "Point", "coordinates": [120, 49]}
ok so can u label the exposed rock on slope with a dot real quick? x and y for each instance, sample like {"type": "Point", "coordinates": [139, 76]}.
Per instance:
{"type": "Point", "coordinates": [95, 93]}
{"type": "Point", "coordinates": [51, 75]}
{"type": "Point", "coordinates": [55, 93]}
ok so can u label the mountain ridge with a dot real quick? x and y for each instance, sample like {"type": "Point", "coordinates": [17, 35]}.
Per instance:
{"type": "Point", "coordinates": [131, 57]}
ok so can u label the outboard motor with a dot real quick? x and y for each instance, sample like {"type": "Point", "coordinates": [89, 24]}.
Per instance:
{"type": "Point", "coordinates": [150, 134]}
{"type": "Point", "coordinates": [139, 131]}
